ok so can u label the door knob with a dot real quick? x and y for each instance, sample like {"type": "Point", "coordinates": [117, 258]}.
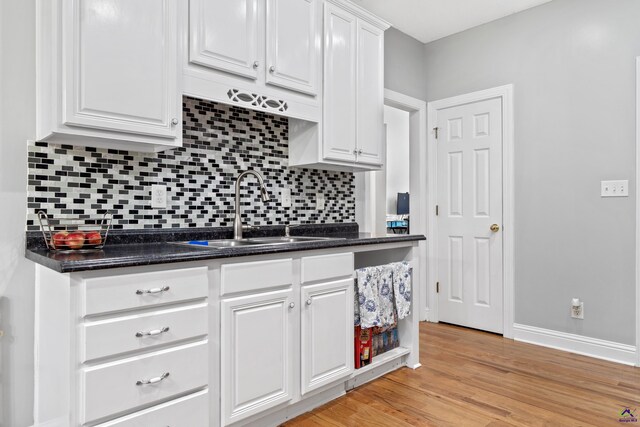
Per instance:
{"type": "Point", "coordinates": [494, 227]}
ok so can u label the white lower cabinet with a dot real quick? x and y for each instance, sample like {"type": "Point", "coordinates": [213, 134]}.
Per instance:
{"type": "Point", "coordinates": [326, 333]}
{"type": "Point", "coordinates": [189, 411]}
{"type": "Point", "coordinates": [256, 353]}
{"type": "Point", "coordinates": [129, 383]}
{"type": "Point", "coordinates": [286, 330]}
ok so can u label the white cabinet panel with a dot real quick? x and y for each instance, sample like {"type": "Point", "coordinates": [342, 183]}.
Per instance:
{"type": "Point", "coordinates": [141, 331]}
{"type": "Point", "coordinates": [293, 44]}
{"type": "Point", "coordinates": [323, 267]}
{"type": "Point", "coordinates": [256, 353]}
{"type": "Point", "coordinates": [340, 90]}
{"type": "Point", "coordinates": [256, 275]}
{"type": "Point", "coordinates": [224, 35]}
{"type": "Point", "coordinates": [137, 290]}
{"type": "Point", "coordinates": [121, 66]}
{"type": "Point", "coordinates": [327, 333]}
{"type": "Point", "coordinates": [129, 383]}
{"type": "Point", "coordinates": [189, 411]}
{"type": "Point", "coordinates": [370, 93]}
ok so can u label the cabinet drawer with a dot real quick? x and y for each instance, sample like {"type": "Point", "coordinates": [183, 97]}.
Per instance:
{"type": "Point", "coordinates": [122, 292]}
{"type": "Point", "coordinates": [114, 387]}
{"type": "Point", "coordinates": [324, 267]}
{"type": "Point", "coordinates": [142, 331]}
{"type": "Point", "coordinates": [189, 411]}
{"type": "Point", "coordinates": [253, 276]}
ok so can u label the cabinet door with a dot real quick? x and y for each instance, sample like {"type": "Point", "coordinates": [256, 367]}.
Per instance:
{"type": "Point", "coordinates": [121, 61]}
{"type": "Point", "coordinates": [256, 353]}
{"type": "Point", "coordinates": [293, 44]}
{"type": "Point", "coordinates": [223, 34]}
{"type": "Point", "coordinates": [327, 333]}
{"type": "Point", "coordinates": [339, 105]}
{"type": "Point", "coordinates": [370, 93]}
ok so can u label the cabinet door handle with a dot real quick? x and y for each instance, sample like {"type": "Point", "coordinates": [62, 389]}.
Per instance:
{"type": "Point", "coordinates": [272, 69]}
{"type": "Point", "coordinates": [152, 333]}
{"type": "Point", "coordinates": [153, 380]}
{"type": "Point", "coordinates": [292, 304]}
{"type": "Point", "coordinates": [360, 151]}
{"type": "Point", "coordinates": [355, 151]}
{"type": "Point", "coordinates": [152, 290]}
{"type": "Point", "coordinates": [256, 64]}
{"type": "Point", "coordinates": [309, 301]}
{"type": "Point", "coordinates": [174, 122]}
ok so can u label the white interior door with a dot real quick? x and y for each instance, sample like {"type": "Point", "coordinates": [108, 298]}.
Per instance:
{"type": "Point", "coordinates": [470, 215]}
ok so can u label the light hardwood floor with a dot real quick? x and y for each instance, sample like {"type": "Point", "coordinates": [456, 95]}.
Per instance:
{"type": "Point", "coordinates": [473, 378]}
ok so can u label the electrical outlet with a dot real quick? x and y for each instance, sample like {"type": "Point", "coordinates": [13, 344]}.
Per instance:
{"type": "Point", "coordinates": [159, 196]}
{"type": "Point", "coordinates": [577, 312]}
{"type": "Point", "coordinates": [319, 201]}
{"type": "Point", "coordinates": [618, 188]}
{"type": "Point", "coordinates": [285, 197]}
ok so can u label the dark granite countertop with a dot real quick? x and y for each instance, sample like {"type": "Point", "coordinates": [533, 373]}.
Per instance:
{"type": "Point", "coordinates": [148, 247]}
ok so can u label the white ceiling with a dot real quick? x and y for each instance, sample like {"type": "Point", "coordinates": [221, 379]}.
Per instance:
{"type": "Point", "coordinates": [429, 20]}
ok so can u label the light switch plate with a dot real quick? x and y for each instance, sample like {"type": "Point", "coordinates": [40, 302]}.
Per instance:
{"type": "Point", "coordinates": [618, 188]}
{"type": "Point", "coordinates": [159, 196]}
{"type": "Point", "coordinates": [319, 201]}
{"type": "Point", "coordinates": [285, 197]}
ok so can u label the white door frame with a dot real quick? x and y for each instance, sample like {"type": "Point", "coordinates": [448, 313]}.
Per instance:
{"type": "Point", "coordinates": [638, 211]}
{"type": "Point", "coordinates": [417, 110]}
{"type": "Point", "coordinates": [372, 205]}
{"type": "Point", "coordinates": [505, 93]}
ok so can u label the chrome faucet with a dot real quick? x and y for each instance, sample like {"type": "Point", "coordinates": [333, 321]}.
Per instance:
{"type": "Point", "coordinates": [264, 194]}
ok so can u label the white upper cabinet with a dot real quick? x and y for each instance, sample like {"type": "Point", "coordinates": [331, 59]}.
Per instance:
{"type": "Point", "coordinates": [264, 55]}
{"type": "Point", "coordinates": [293, 44]}
{"type": "Point", "coordinates": [370, 99]}
{"type": "Point", "coordinates": [224, 35]}
{"type": "Point", "coordinates": [352, 133]}
{"type": "Point", "coordinates": [108, 73]}
{"type": "Point", "coordinates": [340, 90]}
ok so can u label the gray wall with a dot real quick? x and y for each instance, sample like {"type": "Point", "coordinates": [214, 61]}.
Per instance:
{"type": "Point", "coordinates": [573, 66]}
{"type": "Point", "coordinates": [404, 64]}
{"type": "Point", "coordinates": [17, 124]}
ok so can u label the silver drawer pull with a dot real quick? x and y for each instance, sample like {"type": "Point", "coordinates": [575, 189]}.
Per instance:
{"type": "Point", "coordinates": [152, 291]}
{"type": "Point", "coordinates": [152, 333]}
{"type": "Point", "coordinates": [153, 380]}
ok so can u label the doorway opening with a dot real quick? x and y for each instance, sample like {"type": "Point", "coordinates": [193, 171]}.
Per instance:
{"type": "Point", "coordinates": [371, 189]}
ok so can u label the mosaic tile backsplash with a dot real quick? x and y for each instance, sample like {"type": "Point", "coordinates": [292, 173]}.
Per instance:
{"type": "Point", "coordinates": [219, 141]}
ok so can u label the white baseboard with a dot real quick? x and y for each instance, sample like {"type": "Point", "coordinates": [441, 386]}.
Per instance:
{"type": "Point", "coordinates": [593, 347]}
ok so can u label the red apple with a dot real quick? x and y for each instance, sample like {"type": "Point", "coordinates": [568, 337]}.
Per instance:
{"type": "Point", "coordinates": [93, 238]}
{"type": "Point", "coordinates": [75, 240]}
{"type": "Point", "coordinates": [59, 240]}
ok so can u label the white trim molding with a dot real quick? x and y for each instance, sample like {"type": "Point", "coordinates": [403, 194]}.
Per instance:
{"type": "Point", "coordinates": [418, 184]}
{"type": "Point", "coordinates": [638, 211]}
{"type": "Point", "coordinates": [578, 344]}
{"type": "Point", "coordinates": [505, 93]}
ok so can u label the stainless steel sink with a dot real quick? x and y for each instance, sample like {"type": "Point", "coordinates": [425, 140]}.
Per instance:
{"type": "Point", "coordinates": [258, 241]}
{"type": "Point", "coordinates": [292, 239]}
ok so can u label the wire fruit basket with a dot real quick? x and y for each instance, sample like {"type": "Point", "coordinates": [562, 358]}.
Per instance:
{"type": "Point", "coordinates": [73, 234]}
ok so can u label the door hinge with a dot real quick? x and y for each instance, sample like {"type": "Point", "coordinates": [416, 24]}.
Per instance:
{"type": "Point", "coordinates": [437, 287]}
{"type": "Point", "coordinates": [435, 130]}
{"type": "Point", "coordinates": [437, 210]}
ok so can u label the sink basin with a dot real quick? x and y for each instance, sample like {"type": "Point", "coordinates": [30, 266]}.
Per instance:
{"type": "Point", "coordinates": [258, 241]}
{"type": "Point", "coordinates": [292, 239]}
{"type": "Point", "coordinates": [223, 243]}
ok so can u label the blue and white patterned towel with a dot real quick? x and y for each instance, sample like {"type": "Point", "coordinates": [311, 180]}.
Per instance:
{"type": "Point", "coordinates": [402, 288]}
{"type": "Point", "coordinates": [374, 300]}
{"type": "Point", "coordinates": [367, 300]}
